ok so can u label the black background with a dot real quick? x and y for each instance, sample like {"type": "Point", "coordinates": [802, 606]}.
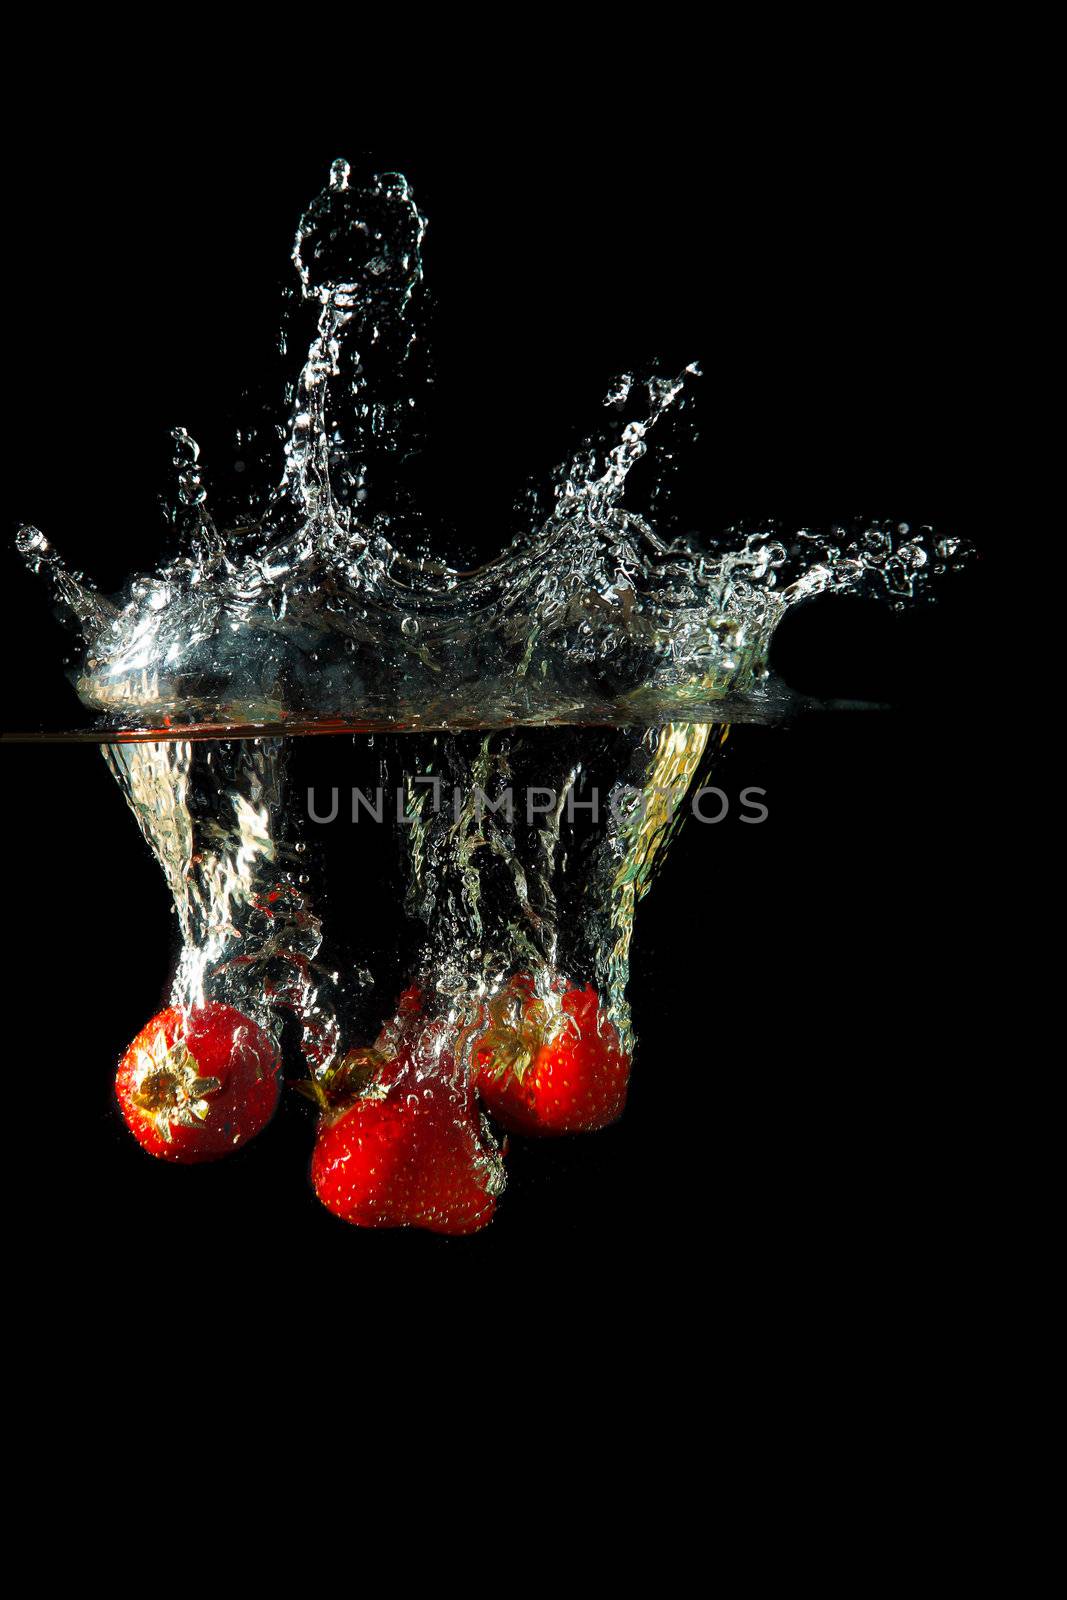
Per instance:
{"type": "Point", "coordinates": [799, 1133]}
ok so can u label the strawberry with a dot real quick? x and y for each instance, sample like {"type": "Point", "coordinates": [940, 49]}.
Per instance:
{"type": "Point", "coordinates": [407, 1151]}
{"type": "Point", "coordinates": [196, 1084]}
{"type": "Point", "coordinates": [551, 1063]}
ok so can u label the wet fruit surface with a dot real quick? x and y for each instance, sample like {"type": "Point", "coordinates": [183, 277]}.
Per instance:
{"type": "Point", "coordinates": [551, 1064]}
{"type": "Point", "coordinates": [401, 1145]}
{"type": "Point", "coordinates": [407, 1154]}
{"type": "Point", "coordinates": [195, 1085]}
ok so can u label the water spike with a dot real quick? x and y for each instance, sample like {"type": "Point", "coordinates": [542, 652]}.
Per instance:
{"type": "Point", "coordinates": [358, 257]}
{"type": "Point", "coordinates": [580, 486]}
{"type": "Point", "coordinates": [81, 602]}
{"type": "Point", "coordinates": [362, 242]}
{"type": "Point", "coordinates": [192, 498]}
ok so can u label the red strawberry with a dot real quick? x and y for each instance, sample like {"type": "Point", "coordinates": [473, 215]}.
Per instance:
{"type": "Point", "coordinates": [196, 1084]}
{"type": "Point", "coordinates": [551, 1064]}
{"type": "Point", "coordinates": [407, 1152]}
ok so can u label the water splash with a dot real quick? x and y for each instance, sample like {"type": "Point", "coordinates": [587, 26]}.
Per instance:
{"type": "Point", "coordinates": [334, 608]}
{"type": "Point", "coordinates": [597, 647]}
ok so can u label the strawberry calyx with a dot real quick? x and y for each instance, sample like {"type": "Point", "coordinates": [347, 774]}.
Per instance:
{"type": "Point", "coordinates": [522, 1023]}
{"type": "Point", "coordinates": [354, 1077]}
{"type": "Point", "coordinates": [361, 1073]}
{"type": "Point", "coordinates": [168, 1086]}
